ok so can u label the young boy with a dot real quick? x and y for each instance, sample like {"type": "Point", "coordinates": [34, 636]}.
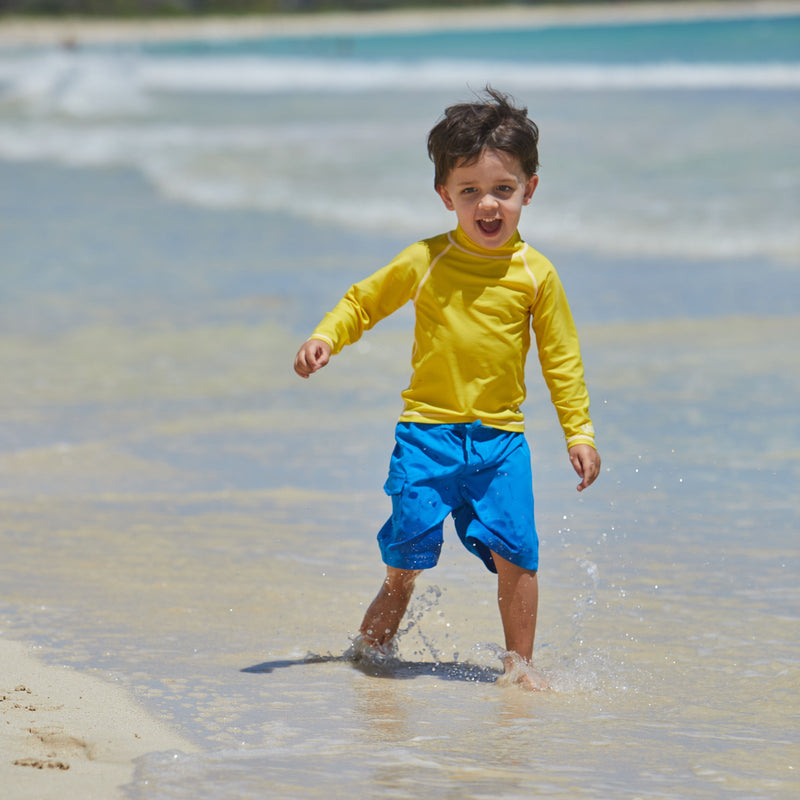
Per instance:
{"type": "Point", "coordinates": [460, 447]}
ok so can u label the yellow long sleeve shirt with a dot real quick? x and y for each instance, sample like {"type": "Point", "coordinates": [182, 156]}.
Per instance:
{"type": "Point", "coordinates": [474, 310]}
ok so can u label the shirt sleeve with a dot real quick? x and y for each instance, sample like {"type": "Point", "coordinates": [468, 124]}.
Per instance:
{"type": "Point", "coordinates": [369, 301]}
{"type": "Point", "coordinates": [560, 358]}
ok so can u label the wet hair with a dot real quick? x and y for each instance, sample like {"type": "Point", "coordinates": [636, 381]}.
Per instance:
{"type": "Point", "coordinates": [493, 123]}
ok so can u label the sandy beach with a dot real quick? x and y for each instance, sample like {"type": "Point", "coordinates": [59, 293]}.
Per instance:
{"type": "Point", "coordinates": [67, 734]}
{"type": "Point", "coordinates": [18, 31]}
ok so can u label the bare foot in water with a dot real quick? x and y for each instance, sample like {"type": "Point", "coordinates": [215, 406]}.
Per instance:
{"type": "Point", "coordinates": [522, 673]}
{"type": "Point", "coordinates": [362, 649]}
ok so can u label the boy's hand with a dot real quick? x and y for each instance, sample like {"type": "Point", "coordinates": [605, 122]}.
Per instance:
{"type": "Point", "coordinates": [586, 462]}
{"type": "Point", "coordinates": [313, 355]}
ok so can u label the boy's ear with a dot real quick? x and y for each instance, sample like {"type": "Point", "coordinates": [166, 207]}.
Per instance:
{"type": "Point", "coordinates": [530, 188]}
{"type": "Point", "coordinates": [446, 199]}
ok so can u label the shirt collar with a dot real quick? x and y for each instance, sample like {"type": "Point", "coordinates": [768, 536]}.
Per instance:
{"type": "Point", "coordinates": [513, 245]}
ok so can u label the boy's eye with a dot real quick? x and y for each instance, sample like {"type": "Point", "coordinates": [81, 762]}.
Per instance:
{"type": "Point", "coordinates": [502, 188]}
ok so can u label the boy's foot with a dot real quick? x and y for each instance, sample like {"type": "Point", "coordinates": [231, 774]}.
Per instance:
{"type": "Point", "coordinates": [521, 673]}
{"type": "Point", "coordinates": [362, 650]}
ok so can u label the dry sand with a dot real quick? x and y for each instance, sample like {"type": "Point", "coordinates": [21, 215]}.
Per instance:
{"type": "Point", "coordinates": [73, 31]}
{"type": "Point", "coordinates": [64, 734]}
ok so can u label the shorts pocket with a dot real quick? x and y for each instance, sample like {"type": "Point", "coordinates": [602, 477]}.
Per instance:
{"type": "Point", "coordinates": [394, 484]}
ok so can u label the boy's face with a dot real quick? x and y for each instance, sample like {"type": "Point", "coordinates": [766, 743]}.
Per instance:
{"type": "Point", "coordinates": [488, 196]}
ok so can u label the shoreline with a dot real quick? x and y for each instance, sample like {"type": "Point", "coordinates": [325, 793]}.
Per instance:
{"type": "Point", "coordinates": [23, 31]}
{"type": "Point", "coordinates": [64, 733]}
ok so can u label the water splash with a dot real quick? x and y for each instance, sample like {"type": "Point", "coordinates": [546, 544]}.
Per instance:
{"type": "Point", "coordinates": [596, 672]}
{"type": "Point", "coordinates": [575, 669]}
{"type": "Point", "coordinates": [420, 605]}
{"type": "Point", "coordinates": [381, 658]}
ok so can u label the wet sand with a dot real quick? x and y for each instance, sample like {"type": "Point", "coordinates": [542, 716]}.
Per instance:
{"type": "Point", "coordinates": [67, 734]}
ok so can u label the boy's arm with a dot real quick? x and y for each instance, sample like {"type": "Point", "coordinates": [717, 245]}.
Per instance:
{"type": "Point", "coordinates": [365, 304]}
{"type": "Point", "coordinates": [562, 367]}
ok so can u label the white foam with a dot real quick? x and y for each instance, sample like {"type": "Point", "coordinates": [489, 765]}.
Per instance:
{"type": "Point", "coordinates": [59, 83]}
{"type": "Point", "coordinates": [717, 184]}
{"type": "Point", "coordinates": [96, 83]}
{"type": "Point", "coordinates": [258, 75]}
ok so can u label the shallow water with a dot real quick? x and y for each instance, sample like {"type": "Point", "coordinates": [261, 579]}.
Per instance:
{"type": "Point", "coordinates": [183, 515]}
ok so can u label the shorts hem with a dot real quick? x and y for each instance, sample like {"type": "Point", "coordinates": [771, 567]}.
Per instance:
{"type": "Point", "coordinates": [417, 563]}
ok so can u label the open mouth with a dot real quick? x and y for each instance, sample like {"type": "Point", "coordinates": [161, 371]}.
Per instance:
{"type": "Point", "coordinates": [490, 226]}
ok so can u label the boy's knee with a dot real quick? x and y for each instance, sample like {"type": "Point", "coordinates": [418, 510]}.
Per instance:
{"type": "Point", "coordinates": [401, 578]}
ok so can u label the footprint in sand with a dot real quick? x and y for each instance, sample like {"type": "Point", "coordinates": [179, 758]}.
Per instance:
{"type": "Point", "coordinates": [41, 763]}
{"type": "Point", "coordinates": [57, 744]}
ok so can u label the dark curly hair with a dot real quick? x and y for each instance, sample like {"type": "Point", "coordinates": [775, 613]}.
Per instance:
{"type": "Point", "coordinates": [467, 129]}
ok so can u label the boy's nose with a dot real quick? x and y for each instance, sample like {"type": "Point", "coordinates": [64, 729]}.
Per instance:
{"type": "Point", "coordinates": [488, 202]}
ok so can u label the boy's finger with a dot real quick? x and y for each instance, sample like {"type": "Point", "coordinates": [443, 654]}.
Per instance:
{"type": "Point", "coordinates": [586, 467]}
{"type": "Point", "coordinates": [578, 467]}
{"type": "Point", "coordinates": [301, 366]}
{"type": "Point", "coordinates": [591, 471]}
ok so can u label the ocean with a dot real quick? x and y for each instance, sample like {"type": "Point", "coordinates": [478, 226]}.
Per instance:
{"type": "Point", "coordinates": [184, 516]}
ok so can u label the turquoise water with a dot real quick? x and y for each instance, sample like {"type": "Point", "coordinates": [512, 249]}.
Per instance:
{"type": "Point", "coordinates": [693, 41]}
{"type": "Point", "coordinates": [182, 515]}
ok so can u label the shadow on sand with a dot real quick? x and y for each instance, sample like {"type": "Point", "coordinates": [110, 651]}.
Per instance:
{"type": "Point", "coordinates": [391, 668]}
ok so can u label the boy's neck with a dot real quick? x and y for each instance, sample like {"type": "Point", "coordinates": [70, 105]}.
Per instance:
{"type": "Point", "coordinates": [510, 246]}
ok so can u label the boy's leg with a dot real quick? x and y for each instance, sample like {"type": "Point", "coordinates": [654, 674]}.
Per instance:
{"type": "Point", "coordinates": [518, 598]}
{"type": "Point", "coordinates": [387, 609]}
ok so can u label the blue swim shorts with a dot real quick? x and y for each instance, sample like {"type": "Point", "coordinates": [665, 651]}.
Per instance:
{"type": "Point", "coordinates": [480, 475]}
